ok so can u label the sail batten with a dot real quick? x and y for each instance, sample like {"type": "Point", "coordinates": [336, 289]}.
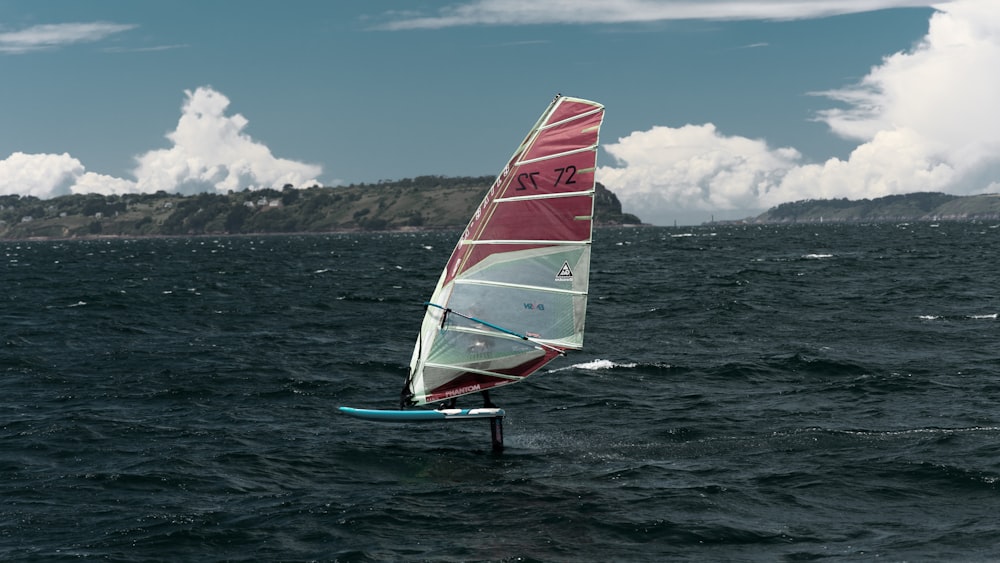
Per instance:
{"type": "Point", "coordinates": [513, 295]}
{"type": "Point", "coordinates": [526, 242]}
{"type": "Point", "coordinates": [519, 286]}
{"type": "Point", "coordinates": [544, 196]}
{"type": "Point", "coordinates": [554, 156]}
{"type": "Point", "coordinates": [569, 119]}
{"type": "Point", "coordinates": [478, 371]}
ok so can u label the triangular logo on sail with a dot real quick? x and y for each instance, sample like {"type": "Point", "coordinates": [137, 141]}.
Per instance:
{"type": "Point", "coordinates": [565, 273]}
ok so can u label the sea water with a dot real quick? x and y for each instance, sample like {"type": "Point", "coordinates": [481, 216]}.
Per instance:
{"type": "Point", "coordinates": [746, 393]}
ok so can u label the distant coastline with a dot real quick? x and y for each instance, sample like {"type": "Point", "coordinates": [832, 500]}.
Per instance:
{"type": "Point", "coordinates": [426, 203]}
{"type": "Point", "coordinates": [921, 206]}
{"type": "Point", "coordinates": [417, 204]}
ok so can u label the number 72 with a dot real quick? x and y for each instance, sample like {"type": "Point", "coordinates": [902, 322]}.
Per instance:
{"type": "Point", "coordinates": [529, 178]}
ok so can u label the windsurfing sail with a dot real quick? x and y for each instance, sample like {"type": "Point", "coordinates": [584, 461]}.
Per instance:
{"type": "Point", "coordinates": [513, 295]}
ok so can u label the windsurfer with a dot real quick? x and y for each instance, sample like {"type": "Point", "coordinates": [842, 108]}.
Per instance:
{"type": "Point", "coordinates": [452, 403]}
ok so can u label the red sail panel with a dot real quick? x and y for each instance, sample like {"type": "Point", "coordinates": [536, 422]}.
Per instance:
{"type": "Point", "coordinates": [569, 108]}
{"type": "Point", "coordinates": [572, 172]}
{"type": "Point", "coordinates": [567, 136]}
{"type": "Point", "coordinates": [556, 219]}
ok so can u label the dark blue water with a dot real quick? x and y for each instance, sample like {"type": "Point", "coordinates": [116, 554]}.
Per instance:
{"type": "Point", "coordinates": [746, 394]}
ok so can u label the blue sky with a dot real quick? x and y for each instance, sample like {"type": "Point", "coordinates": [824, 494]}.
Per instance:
{"type": "Point", "coordinates": [713, 108]}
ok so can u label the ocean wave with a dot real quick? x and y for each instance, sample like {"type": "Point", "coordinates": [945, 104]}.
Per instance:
{"type": "Point", "coordinates": [915, 431]}
{"type": "Point", "coordinates": [983, 317]}
{"type": "Point", "coordinates": [595, 365]}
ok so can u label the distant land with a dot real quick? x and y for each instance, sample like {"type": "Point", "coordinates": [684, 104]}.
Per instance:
{"type": "Point", "coordinates": [922, 206]}
{"type": "Point", "coordinates": [424, 202]}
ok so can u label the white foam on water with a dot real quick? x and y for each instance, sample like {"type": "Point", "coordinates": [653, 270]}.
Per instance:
{"type": "Point", "coordinates": [595, 365]}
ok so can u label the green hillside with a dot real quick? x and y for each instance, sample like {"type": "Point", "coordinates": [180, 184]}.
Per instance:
{"type": "Point", "coordinates": [424, 202]}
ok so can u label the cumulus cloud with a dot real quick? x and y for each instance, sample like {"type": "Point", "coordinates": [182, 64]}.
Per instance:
{"type": "Point", "coordinates": [50, 36]}
{"type": "Point", "coordinates": [40, 175]}
{"type": "Point", "coordinates": [926, 120]}
{"type": "Point", "coordinates": [526, 12]}
{"type": "Point", "coordinates": [694, 167]}
{"type": "Point", "coordinates": [94, 183]}
{"type": "Point", "coordinates": [210, 152]}
{"type": "Point", "coordinates": [945, 90]}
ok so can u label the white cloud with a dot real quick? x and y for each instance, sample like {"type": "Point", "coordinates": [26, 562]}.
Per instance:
{"type": "Point", "coordinates": [94, 183]}
{"type": "Point", "coordinates": [695, 168]}
{"type": "Point", "coordinates": [945, 90]}
{"type": "Point", "coordinates": [525, 12]}
{"type": "Point", "coordinates": [893, 162]}
{"type": "Point", "coordinates": [210, 152]}
{"type": "Point", "coordinates": [39, 175]}
{"type": "Point", "coordinates": [49, 36]}
{"type": "Point", "coordinates": [926, 120]}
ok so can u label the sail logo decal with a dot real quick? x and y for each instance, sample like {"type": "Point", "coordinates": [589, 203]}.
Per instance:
{"type": "Point", "coordinates": [462, 390]}
{"type": "Point", "coordinates": [565, 273]}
